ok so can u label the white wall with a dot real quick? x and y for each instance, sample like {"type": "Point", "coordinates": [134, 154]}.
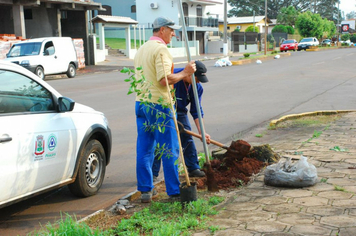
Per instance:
{"type": "Point", "coordinates": [168, 8]}
{"type": "Point", "coordinates": [250, 48]}
{"type": "Point", "coordinates": [146, 15]}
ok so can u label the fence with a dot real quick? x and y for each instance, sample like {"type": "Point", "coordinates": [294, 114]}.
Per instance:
{"type": "Point", "coordinates": [244, 41]}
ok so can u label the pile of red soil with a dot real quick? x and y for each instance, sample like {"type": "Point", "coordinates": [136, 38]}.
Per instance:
{"type": "Point", "coordinates": [238, 165]}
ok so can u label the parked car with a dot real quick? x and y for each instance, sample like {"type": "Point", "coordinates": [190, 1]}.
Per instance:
{"type": "Point", "coordinates": [326, 42]}
{"type": "Point", "coordinates": [47, 140]}
{"type": "Point", "coordinates": [45, 56]}
{"type": "Point", "coordinates": [305, 43]}
{"type": "Point", "coordinates": [290, 44]}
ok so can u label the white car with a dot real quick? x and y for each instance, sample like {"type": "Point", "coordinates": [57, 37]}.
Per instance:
{"type": "Point", "coordinates": [305, 43]}
{"type": "Point", "coordinates": [47, 140]}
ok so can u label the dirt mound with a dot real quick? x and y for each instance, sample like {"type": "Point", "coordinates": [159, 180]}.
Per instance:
{"type": "Point", "coordinates": [238, 164]}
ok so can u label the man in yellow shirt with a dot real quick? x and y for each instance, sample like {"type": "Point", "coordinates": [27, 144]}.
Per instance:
{"type": "Point", "coordinates": [149, 104]}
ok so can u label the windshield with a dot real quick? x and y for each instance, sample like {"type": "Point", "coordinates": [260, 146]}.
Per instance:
{"type": "Point", "coordinates": [307, 40]}
{"type": "Point", "coordinates": [24, 49]}
{"type": "Point", "coordinates": [288, 41]}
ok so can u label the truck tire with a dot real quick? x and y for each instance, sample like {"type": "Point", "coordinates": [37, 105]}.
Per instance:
{"type": "Point", "coordinates": [71, 72]}
{"type": "Point", "coordinates": [40, 72]}
{"type": "Point", "coordinates": [91, 171]}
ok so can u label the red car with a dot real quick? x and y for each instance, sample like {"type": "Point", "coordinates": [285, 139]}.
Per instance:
{"type": "Point", "coordinates": [290, 44]}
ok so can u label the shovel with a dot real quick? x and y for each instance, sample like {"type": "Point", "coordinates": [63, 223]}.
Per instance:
{"type": "Point", "coordinates": [181, 129]}
{"type": "Point", "coordinates": [188, 190]}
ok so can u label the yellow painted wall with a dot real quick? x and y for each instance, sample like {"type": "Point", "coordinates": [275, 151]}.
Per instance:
{"type": "Point", "coordinates": [243, 26]}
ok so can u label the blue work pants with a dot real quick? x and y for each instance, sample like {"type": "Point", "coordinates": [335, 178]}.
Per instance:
{"type": "Point", "coordinates": [189, 150]}
{"type": "Point", "coordinates": [145, 147]}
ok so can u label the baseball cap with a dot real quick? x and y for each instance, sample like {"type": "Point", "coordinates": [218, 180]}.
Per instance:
{"type": "Point", "coordinates": [200, 72]}
{"type": "Point", "coordinates": [164, 21]}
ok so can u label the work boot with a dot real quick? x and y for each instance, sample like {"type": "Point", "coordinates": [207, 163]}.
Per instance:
{"type": "Point", "coordinates": [146, 197]}
{"type": "Point", "coordinates": [197, 173]}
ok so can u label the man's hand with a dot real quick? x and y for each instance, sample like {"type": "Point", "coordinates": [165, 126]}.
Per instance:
{"type": "Point", "coordinates": [189, 69]}
{"type": "Point", "coordinates": [207, 138]}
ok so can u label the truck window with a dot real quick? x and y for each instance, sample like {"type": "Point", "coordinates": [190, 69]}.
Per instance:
{"type": "Point", "coordinates": [48, 49]}
{"type": "Point", "coordinates": [24, 49]}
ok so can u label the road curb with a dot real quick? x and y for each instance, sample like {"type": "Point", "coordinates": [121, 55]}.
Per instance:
{"type": "Point", "coordinates": [248, 61]}
{"type": "Point", "coordinates": [273, 123]}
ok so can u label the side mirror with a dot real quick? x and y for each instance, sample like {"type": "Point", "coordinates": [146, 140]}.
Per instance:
{"type": "Point", "coordinates": [65, 104]}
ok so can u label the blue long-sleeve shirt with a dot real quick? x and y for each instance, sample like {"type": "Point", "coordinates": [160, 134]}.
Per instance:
{"type": "Point", "coordinates": [185, 96]}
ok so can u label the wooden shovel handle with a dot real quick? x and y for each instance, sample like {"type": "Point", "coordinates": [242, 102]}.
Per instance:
{"type": "Point", "coordinates": [199, 136]}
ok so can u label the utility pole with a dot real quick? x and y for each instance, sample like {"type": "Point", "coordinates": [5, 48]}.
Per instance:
{"type": "Point", "coordinates": [266, 31]}
{"type": "Point", "coordinates": [338, 18]}
{"type": "Point", "coordinates": [254, 21]}
{"type": "Point", "coordinates": [225, 47]}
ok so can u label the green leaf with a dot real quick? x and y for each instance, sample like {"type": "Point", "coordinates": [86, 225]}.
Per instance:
{"type": "Point", "coordinates": [125, 70]}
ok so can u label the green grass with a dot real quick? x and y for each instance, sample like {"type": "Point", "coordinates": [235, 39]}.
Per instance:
{"type": "Point", "coordinates": [70, 227]}
{"type": "Point", "coordinates": [339, 188]}
{"type": "Point", "coordinates": [308, 121]}
{"type": "Point", "coordinates": [116, 43]}
{"type": "Point", "coordinates": [338, 149]}
{"type": "Point", "coordinates": [257, 56]}
{"type": "Point", "coordinates": [157, 219]}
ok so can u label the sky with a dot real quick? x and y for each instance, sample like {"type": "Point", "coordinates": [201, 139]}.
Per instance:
{"type": "Point", "coordinates": [345, 5]}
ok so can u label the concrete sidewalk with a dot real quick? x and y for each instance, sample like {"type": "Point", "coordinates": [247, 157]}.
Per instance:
{"type": "Point", "coordinates": [327, 208]}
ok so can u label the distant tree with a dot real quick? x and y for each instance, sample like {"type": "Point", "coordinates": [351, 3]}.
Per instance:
{"type": "Point", "coordinates": [325, 8]}
{"type": "Point", "coordinates": [287, 16]}
{"type": "Point", "coordinates": [279, 29]}
{"type": "Point", "coordinates": [310, 25]}
{"type": "Point", "coordinates": [329, 28]}
{"type": "Point", "coordinates": [290, 29]}
{"type": "Point", "coordinates": [351, 15]}
{"type": "Point", "coordinates": [250, 29]}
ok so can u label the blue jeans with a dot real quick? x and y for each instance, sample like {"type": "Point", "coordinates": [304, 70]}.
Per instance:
{"type": "Point", "coordinates": [189, 150]}
{"type": "Point", "coordinates": [145, 147]}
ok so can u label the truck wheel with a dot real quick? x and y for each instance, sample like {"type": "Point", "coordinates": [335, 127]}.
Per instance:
{"type": "Point", "coordinates": [71, 72]}
{"type": "Point", "coordinates": [40, 72]}
{"type": "Point", "coordinates": [91, 171]}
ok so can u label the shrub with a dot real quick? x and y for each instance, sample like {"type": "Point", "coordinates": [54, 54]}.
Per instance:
{"type": "Point", "coordinates": [353, 38]}
{"type": "Point", "coordinates": [290, 29]}
{"type": "Point", "coordinates": [246, 55]}
{"type": "Point", "coordinates": [250, 29]}
{"type": "Point", "coordinates": [279, 29]}
{"type": "Point", "coordinates": [345, 37]}
{"type": "Point", "coordinates": [274, 52]}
